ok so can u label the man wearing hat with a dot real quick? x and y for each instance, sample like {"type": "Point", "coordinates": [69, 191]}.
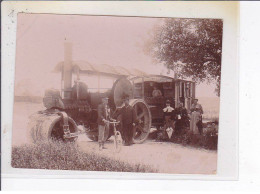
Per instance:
{"type": "Point", "coordinates": [103, 124]}
{"type": "Point", "coordinates": [169, 118]}
{"type": "Point", "coordinates": [129, 120]}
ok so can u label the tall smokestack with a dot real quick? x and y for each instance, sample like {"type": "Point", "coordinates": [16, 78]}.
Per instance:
{"type": "Point", "coordinates": [67, 71]}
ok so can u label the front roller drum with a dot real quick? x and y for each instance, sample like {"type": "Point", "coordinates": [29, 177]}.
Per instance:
{"type": "Point", "coordinates": [46, 125]}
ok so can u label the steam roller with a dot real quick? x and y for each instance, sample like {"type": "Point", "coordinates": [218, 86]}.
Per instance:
{"type": "Point", "coordinates": [76, 105]}
{"type": "Point", "coordinates": [61, 118]}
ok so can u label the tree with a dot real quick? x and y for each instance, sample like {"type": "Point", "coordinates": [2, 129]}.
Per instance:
{"type": "Point", "coordinates": [192, 48]}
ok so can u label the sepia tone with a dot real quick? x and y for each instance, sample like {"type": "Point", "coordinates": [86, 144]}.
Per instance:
{"type": "Point", "coordinates": [67, 65]}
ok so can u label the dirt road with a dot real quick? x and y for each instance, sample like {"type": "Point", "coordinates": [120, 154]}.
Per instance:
{"type": "Point", "coordinates": [166, 157]}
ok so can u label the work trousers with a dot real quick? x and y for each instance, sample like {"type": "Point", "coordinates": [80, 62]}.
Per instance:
{"type": "Point", "coordinates": [200, 126]}
{"type": "Point", "coordinates": [128, 133]}
{"type": "Point", "coordinates": [101, 133]}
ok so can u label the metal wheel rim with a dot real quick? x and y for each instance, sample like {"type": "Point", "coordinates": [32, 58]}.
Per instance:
{"type": "Point", "coordinates": [141, 131]}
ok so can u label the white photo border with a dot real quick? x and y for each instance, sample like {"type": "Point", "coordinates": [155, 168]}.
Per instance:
{"type": "Point", "coordinates": [228, 130]}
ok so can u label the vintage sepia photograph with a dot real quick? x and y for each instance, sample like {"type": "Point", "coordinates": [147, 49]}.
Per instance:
{"type": "Point", "coordinates": [117, 93]}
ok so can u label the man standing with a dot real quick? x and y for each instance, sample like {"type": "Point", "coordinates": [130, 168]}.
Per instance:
{"type": "Point", "coordinates": [195, 109]}
{"type": "Point", "coordinates": [103, 124]}
{"type": "Point", "coordinates": [129, 120]}
{"type": "Point", "coordinates": [181, 117]}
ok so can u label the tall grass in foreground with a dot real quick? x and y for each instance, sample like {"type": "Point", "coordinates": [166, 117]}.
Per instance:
{"type": "Point", "coordinates": [67, 156]}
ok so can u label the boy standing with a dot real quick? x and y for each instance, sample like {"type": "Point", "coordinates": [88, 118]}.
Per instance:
{"type": "Point", "coordinates": [103, 117]}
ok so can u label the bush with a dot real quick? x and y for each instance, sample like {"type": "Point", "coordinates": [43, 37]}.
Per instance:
{"type": "Point", "coordinates": [208, 140]}
{"type": "Point", "coordinates": [67, 156]}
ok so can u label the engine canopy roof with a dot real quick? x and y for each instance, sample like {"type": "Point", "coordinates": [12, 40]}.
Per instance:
{"type": "Point", "coordinates": [101, 69]}
{"type": "Point", "coordinates": [113, 71]}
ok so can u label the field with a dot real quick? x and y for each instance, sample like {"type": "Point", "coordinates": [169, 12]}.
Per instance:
{"type": "Point", "coordinates": [22, 111]}
{"type": "Point", "coordinates": [210, 107]}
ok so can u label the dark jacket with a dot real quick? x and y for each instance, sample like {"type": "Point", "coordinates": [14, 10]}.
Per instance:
{"type": "Point", "coordinates": [128, 115]}
{"type": "Point", "coordinates": [102, 114]}
{"type": "Point", "coordinates": [182, 112]}
{"type": "Point", "coordinates": [169, 112]}
{"type": "Point", "coordinates": [184, 119]}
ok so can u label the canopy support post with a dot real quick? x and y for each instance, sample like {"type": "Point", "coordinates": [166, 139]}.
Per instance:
{"type": "Point", "coordinates": [143, 87]}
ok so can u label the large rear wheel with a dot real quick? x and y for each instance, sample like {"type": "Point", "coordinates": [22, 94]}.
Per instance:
{"type": "Point", "coordinates": [142, 129]}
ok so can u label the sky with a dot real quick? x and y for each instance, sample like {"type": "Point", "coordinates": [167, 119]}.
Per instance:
{"type": "Point", "coordinates": [116, 41]}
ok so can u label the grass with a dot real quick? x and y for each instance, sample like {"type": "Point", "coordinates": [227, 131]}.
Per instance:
{"type": "Point", "coordinates": [208, 140]}
{"type": "Point", "coordinates": [67, 156]}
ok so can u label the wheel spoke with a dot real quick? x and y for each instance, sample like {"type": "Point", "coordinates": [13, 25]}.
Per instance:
{"type": "Point", "coordinates": [134, 133]}
{"type": "Point", "coordinates": [137, 132]}
{"type": "Point", "coordinates": [137, 128]}
{"type": "Point", "coordinates": [143, 116]}
{"type": "Point", "coordinates": [136, 109]}
{"type": "Point", "coordinates": [139, 109]}
{"type": "Point", "coordinates": [142, 128]}
{"type": "Point", "coordinates": [140, 115]}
